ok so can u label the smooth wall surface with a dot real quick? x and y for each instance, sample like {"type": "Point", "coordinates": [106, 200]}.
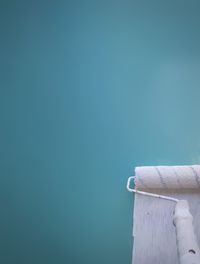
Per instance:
{"type": "Point", "coordinates": [88, 91]}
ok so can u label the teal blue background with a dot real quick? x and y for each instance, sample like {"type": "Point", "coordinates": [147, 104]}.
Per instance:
{"type": "Point", "coordinates": [88, 91]}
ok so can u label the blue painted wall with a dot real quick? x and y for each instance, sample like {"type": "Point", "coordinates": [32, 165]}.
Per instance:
{"type": "Point", "coordinates": [88, 91]}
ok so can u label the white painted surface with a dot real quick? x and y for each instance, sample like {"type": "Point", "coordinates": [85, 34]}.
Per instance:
{"type": "Point", "coordinates": [188, 249]}
{"type": "Point", "coordinates": [154, 231]}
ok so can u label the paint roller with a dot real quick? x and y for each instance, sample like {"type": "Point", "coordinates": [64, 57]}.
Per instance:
{"type": "Point", "coordinates": [151, 179]}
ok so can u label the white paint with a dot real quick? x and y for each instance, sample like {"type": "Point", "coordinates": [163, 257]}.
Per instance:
{"type": "Point", "coordinates": [154, 232]}
{"type": "Point", "coordinates": [188, 248]}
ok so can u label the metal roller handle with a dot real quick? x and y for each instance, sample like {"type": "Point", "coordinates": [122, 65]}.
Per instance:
{"type": "Point", "coordinates": [189, 252]}
{"type": "Point", "coordinates": [130, 189]}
